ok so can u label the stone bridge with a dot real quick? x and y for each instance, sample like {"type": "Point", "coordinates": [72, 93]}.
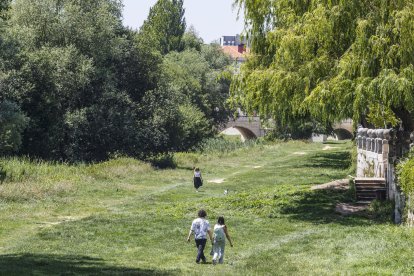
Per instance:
{"type": "Point", "coordinates": [344, 129]}
{"type": "Point", "coordinates": [251, 128]}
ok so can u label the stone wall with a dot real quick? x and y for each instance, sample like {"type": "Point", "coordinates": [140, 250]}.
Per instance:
{"type": "Point", "coordinates": [378, 152]}
{"type": "Point", "coordinates": [374, 152]}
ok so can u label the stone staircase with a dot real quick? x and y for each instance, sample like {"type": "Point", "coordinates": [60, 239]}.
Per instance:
{"type": "Point", "coordinates": [367, 189]}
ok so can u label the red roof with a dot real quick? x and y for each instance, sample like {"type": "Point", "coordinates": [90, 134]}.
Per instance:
{"type": "Point", "coordinates": [233, 51]}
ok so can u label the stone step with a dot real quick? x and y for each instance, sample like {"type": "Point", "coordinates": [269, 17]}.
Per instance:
{"type": "Point", "coordinates": [368, 191]}
{"type": "Point", "coordinates": [363, 202]}
{"type": "Point", "coordinates": [367, 188]}
{"type": "Point", "coordinates": [366, 198]}
{"type": "Point", "coordinates": [369, 180]}
{"type": "Point", "coordinates": [373, 188]}
{"type": "Point", "coordinates": [373, 195]}
{"type": "Point", "coordinates": [370, 184]}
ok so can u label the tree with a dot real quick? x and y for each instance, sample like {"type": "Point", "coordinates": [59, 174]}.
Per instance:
{"type": "Point", "coordinates": [91, 88]}
{"type": "Point", "coordinates": [165, 26]}
{"type": "Point", "coordinates": [4, 8]}
{"type": "Point", "coordinates": [196, 78]}
{"type": "Point", "coordinates": [329, 60]}
{"type": "Point", "coordinates": [191, 40]}
{"type": "Point", "coordinates": [79, 76]}
{"type": "Point", "coordinates": [12, 124]}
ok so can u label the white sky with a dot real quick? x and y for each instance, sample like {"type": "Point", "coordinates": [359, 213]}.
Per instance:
{"type": "Point", "coordinates": [211, 18]}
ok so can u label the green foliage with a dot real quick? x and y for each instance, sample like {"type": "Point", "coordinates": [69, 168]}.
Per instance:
{"type": "Point", "coordinates": [191, 40]}
{"type": "Point", "coordinates": [12, 124]}
{"type": "Point", "coordinates": [4, 8]}
{"type": "Point", "coordinates": [108, 130]}
{"type": "Point", "coordinates": [165, 26]}
{"type": "Point", "coordinates": [193, 125]}
{"type": "Point", "coordinates": [215, 57]}
{"type": "Point", "coordinates": [329, 60]}
{"type": "Point", "coordinates": [92, 89]}
{"type": "Point", "coordinates": [194, 78]}
{"type": "Point", "coordinates": [381, 116]}
{"type": "Point", "coordinates": [80, 77]}
{"type": "Point", "coordinates": [405, 170]}
{"type": "Point", "coordinates": [70, 60]}
{"type": "Point", "coordinates": [225, 145]}
{"type": "Point", "coordinates": [381, 210]}
{"type": "Point", "coordinates": [163, 161]}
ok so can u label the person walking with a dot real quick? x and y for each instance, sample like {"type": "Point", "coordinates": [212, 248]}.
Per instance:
{"type": "Point", "coordinates": [219, 240]}
{"type": "Point", "coordinates": [198, 179]}
{"type": "Point", "coordinates": [200, 227]}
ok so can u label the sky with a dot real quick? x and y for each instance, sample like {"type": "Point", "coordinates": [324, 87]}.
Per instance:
{"type": "Point", "coordinates": [211, 18]}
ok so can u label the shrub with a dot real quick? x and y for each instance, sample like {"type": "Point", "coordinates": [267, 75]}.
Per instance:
{"type": "Point", "coordinates": [187, 159]}
{"type": "Point", "coordinates": [220, 144]}
{"type": "Point", "coordinates": [163, 161]}
{"type": "Point", "coordinates": [381, 210]}
{"type": "Point", "coordinates": [12, 124]}
{"type": "Point", "coordinates": [194, 126]}
{"type": "Point", "coordinates": [405, 172]}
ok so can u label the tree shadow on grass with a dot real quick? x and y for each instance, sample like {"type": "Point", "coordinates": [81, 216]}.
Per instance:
{"type": "Point", "coordinates": [187, 168]}
{"type": "Point", "coordinates": [338, 160]}
{"type": "Point", "coordinates": [33, 264]}
{"type": "Point", "coordinates": [318, 206]}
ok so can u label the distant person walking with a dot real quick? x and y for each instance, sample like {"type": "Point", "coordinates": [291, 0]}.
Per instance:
{"type": "Point", "coordinates": [219, 240]}
{"type": "Point", "coordinates": [198, 179]}
{"type": "Point", "coordinates": [200, 227]}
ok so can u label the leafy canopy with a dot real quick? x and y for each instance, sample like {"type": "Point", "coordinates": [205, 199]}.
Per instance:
{"type": "Point", "coordinates": [329, 60]}
{"type": "Point", "coordinates": [165, 26]}
{"type": "Point", "coordinates": [76, 85]}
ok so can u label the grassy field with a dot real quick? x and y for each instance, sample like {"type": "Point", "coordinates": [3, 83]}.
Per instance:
{"type": "Point", "coordinates": [125, 217]}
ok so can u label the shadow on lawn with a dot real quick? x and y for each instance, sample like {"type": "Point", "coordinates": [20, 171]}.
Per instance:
{"type": "Point", "coordinates": [318, 206]}
{"type": "Point", "coordinates": [338, 160]}
{"type": "Point", "coordinates": [29, 264]}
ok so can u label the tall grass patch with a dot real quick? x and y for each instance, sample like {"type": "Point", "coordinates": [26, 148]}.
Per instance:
{"type": "Point", "coordinates": [26, 180]}
{"type": "Point", "coordinates": [223, 145]}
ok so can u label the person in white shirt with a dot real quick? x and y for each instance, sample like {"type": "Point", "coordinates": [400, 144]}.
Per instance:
{"type": "Point", "coordinates": [219, 240]}
{"type": "Point", "coordinates": [198, 180]}
{"type": "Point", "coordinates": [200, 227]}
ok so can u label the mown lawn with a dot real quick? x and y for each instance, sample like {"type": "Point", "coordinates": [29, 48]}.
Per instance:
{"type": "Point", "coordinates": [124, 217]}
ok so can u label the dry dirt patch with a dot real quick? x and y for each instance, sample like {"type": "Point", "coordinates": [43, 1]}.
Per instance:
{"type": "Point", "coordinates": [61, 220]}
{"type": "Point", "coordinates": [349, 209]}
{"type": "Point", "coordinates": [217, 181]}
{"type": "Point", "coordinates": [341, 208]}
{"type": "Point", "coordinates": [341, 184]}
{"type": "Point", "coordinates": [329, 148]}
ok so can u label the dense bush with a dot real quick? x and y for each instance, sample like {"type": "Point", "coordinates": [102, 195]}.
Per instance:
{"type": "Point", "coordinates": [92, 88]}
{"type": "Point", "coordinates": [405, 172]}
{"type": "Point", "coordinates": [163, 161]}
{"type": "Point", "coordinates": [221, 144]}
{"type": "Point", "coordinates": [12, 124]}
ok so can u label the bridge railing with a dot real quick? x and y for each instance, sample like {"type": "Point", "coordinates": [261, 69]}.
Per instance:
{"type": "Point", "coordinates": [245, 119]}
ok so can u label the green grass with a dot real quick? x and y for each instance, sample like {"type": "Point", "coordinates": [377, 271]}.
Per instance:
{"type": "Point", "coordinates": [125, 217]}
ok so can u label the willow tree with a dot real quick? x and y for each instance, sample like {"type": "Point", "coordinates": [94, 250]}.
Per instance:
{"type": "Point", "coordinates": [329, 60]}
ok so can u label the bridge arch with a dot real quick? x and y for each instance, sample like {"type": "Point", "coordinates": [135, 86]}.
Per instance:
{"type": "Point", "coordinates": [343, 134]}
{"type": "Point", "coordinates": [344, 130]}
{"type": "Point", "coordinates": [248, 127]}
{"type": "Point", "coordinates": [245, 133]}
